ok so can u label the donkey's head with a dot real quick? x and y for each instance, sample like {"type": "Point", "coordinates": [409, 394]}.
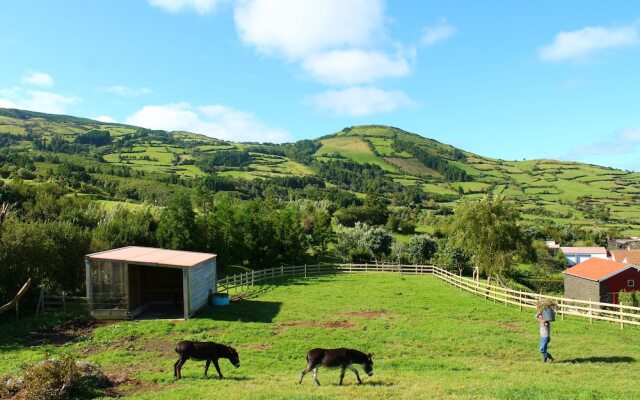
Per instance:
{"type": "Point", "coordinates": [233, 356]}
{"type": "Point", "coordinates": [368, 365]}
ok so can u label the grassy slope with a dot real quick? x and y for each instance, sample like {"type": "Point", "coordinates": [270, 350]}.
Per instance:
{"type": "Point", "coordinates": [540, 183]}
{"type": "Point", "coordinates": [430, 341]}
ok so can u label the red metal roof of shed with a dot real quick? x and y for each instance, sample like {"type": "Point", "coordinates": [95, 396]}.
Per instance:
{"type": "Point", "coordinates": [153, 256]}
{"type": "Point", "coordinates": [597, 269]}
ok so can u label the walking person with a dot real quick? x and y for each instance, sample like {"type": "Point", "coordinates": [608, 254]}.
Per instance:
{"type": "Point", "coordinates": [545, 337]}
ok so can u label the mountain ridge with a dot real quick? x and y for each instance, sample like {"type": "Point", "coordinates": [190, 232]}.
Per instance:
{"type": "Point", "coordinates": [390, 158]}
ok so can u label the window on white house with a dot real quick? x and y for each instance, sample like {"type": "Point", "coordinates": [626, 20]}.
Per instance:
{"type": "Point", "coordinates": [631, 283]}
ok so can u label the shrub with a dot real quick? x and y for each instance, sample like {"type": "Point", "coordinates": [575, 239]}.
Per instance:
{"type": "Point", "coordinates": [62, 379]}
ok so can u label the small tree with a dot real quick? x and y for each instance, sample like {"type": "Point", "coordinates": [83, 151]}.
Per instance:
{"type": "Point", "coordinates": [377, 241]}
{"type": "Point", "coordinates": [177, 226]}
{"type": "Point", "coordinates": [421, 249]}
{"type": "Point", "coordinates": [488, 230]}
{"type": "Point", "coordinates": [349, 241]}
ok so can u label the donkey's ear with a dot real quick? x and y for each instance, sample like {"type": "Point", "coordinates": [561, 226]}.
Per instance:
{"type": "Point", "coordinates": [370, 355]}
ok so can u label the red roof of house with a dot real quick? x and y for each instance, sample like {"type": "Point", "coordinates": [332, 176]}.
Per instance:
{"type": "Point", "coordinates": [153, 256]}
{"type": "Point", "coordinates": [629, 256]}
{"type": "Point", "coordinates": [597, 269]}
{"type": "Point", "coordinates": [583, 250]}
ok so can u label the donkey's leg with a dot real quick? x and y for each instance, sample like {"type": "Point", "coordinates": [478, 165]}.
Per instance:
{"type": "Point", "coordinates": [355, 371]}
{"type": "Point", "coordinates": [206, 367]}
{"type": "Point", "coordinates": [315, 375]}
{"type": "Point", "coordinates": [215, 364]}
{"type": "Point", "coordinates": [175, 368]}
{"type": "Point", "coordinates": [181, 362]}
{"type": "Point", "coordinates": [305, 371]}
{"type": "Point", "coordinates": [342, 374]}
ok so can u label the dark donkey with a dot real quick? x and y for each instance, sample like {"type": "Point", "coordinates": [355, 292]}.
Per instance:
{"type": "Point", "coordinates": [337, 358]}
{"type": "Point", "coordinates": [204, 351]}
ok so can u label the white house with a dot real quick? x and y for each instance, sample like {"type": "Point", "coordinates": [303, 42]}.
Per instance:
{"type": "Point", "coordinates": [576, 255]}
{"type": "Point", "coordinates": [552, 246]}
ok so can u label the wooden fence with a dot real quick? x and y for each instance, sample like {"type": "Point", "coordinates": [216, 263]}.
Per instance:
{"type": "Point", "coordinates": [246, 283]}
{"type": "Point", "coordinates": [63, 303]}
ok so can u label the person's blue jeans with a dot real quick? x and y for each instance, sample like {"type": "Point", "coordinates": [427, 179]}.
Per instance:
{"type": "Point", "coordinates": [544, 343]}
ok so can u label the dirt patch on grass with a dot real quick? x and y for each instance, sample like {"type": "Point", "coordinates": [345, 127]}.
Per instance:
{"type": "Point", "coordinates": [67, 332]}
{"type": "Point", "coordinates": [367, 314]}
{"type": "Point", "coordinates": [510, 326]}
{"type": "Point", "coordinates": [166, 347]}
{"type": "Point", "coordinates": [123, 385]}
{"type": "Point", "coordinates": [259, 347]}
{"type": "Point", "coordinates": [342, 324]}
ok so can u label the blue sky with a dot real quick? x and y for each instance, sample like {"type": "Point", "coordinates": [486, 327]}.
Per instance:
{"type": "Point", "coordinates": [511, 80]}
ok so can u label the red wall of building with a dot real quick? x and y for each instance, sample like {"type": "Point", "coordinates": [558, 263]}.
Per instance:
{"type": "Point", "coordinates": [619, 282]}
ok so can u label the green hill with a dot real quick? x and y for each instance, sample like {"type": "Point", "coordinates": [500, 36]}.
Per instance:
{"type": "Point", "coordinates": [116, 162]}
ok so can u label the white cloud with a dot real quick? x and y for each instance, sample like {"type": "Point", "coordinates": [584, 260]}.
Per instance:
{"type": "Point", "coordinates": [341, 42]}
{"type": "Point", "coordinates": [623, 142]}
{"type": "Point", "coordinates": [360, 101]}
{"type": "Point", "coordinates": [583, 43]}
{"type": "Point", "coordinates": [36, 100]}
{"type": "Point", "coordinates": [127, 91]}
{"type": "Point", "coordinates": [334, 41]}
{"type": "Point", "coordinates": [296, 28]}
{"type": "Point", "coordinates": [105, 118]}
{"type": "Point", "coordinates": [437, 33]}
{"type": "Point", "coordinates": [619, 150]}
{"type": "Point", "coordinates": [38, 79]}
{"type": "Point", "coordinates": [4, 103]}
{"type": "Point", "coordinates": [199, 6]}
{"type": "Point", "coordinates": [349, 67]}
{"type": "Point", "coordinates": [212, 120]}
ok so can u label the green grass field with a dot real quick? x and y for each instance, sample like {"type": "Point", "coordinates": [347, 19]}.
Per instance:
{"type": "Point", "coordinates": [354, 148]}
{"type": "Point", "coordinates": [429, 339]}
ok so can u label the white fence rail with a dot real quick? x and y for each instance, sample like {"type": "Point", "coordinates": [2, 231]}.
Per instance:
{"type": "Point", "coordinates": [246, 283]}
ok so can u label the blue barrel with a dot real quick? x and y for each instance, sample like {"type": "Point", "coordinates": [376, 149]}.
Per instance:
{"type": "Point", "coordinates": [220, 299]}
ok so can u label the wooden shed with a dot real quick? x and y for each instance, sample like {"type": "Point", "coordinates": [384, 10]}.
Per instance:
{"type": "Point", "coordinates": [135, 281]}
{"type": "Point", "coordinates": [600, 280]}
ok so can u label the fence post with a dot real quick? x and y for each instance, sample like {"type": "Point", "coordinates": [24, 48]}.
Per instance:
{"type": "Point", "coordinates": [561, 310]}
{"type": "Point", "coordinates": [619, 307]}
{"type": "Point", "coordinates": [520, 295]}
{"type": "Point", "coordinates": [590, 312]}
{"type": "Point", "coordinates": [305, 270]}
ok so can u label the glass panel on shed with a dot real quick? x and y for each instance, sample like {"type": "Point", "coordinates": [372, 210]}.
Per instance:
{"type": "Point", "coordinates": [108, 280]}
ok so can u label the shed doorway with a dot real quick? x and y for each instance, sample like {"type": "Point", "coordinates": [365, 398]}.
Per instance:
{"type": "Point", "coordinates": [156, 292]}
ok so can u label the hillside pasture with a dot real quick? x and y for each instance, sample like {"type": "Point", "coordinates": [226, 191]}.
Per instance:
{"type": "Point", "coordinates": [354, 148]}
{"type": "Point", "coordinates": [412, 166]}
{"type": "Point", "coordinates": [429, 340]}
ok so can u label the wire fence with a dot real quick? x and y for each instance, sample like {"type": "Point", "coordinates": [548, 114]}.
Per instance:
{"type": "Point", "coordinates": [246, 283]}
